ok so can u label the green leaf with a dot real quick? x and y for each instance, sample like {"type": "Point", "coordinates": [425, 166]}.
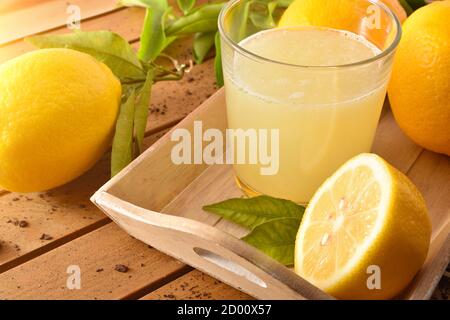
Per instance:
{"type": "Point", "coordinates": [153, 36]}
{"type": "Point", "coordinates": [276, 238]}
{"type": "Point", "coordinates": [416, 4]}
{"type": "Point", "coordinates": [122, 149]}
{"type": "Point", "coordinates": [139, 3]}
{"type": "Point", "coordinates": [252, 212]}
{"type": "Point", "coordinates": [240, 30]}
{"type": "Point", "coordinates": [204, 25]}
{"type": "Point", "coordinates": [105, 46]}
{"type": "Point", "coordinates": [274, 223]}
{"type": "Point", "coordinates": [264, 19]}
{"type": "Point", "coordinates": [141, 111]}
{"type": "Point", "coordinates": [203, 42]}
{"type": "Point", "coordinates": [406, 6]}
{"type": "Point", "coordinates": [218, 62]}
{"type": "Point", "coordinates": [186, 5]}
{"type": "Point", "coordinates": [202, 19]}
{"type": "Point", "coordinates": [284, 3]}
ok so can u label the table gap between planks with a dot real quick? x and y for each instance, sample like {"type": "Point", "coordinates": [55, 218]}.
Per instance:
{"type": "Point", "coordinates": [32, 268]}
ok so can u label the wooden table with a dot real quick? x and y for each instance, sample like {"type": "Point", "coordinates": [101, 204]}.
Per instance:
{"type": "Point", "coordinates": [35, 267]}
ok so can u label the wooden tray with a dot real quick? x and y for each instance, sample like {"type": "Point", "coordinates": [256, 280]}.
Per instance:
{"type": "Point", "coordinates": [160, 204]}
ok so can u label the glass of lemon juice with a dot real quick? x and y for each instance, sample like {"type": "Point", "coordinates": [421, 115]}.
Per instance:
{"type": "Point", "coordinates": [317, 75]}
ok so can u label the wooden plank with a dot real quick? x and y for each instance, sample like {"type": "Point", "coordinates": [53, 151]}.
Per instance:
{"type": "Point", "coordinates": [63, 214]}
{"type": "Point", "coordinates": [196, 285]}
{"type": "Point", "coordinates": [96, 254]}
{"type": "Point", "coordinates": [431, 174]}
{"type": "Point", "coordinates": [13, 5]}
{"type": "Point", "coordinates": [393, 145]}
{"type": "Point", "coordinates": [174, 100]}
{"type": "Point", "coordinates": [127, 22]}
{"type": "Point", "coordinates": [189, 205]}
{"type": "Point", "coordinates": [41, 16]}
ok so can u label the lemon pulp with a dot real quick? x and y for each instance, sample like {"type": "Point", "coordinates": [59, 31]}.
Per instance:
{"type": "Point", "coordinates": [367, 214]}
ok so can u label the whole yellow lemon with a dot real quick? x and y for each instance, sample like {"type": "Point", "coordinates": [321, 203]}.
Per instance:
{"type": "Point", "coordinates": [341, 14]}
{"type": "Point", "coordinates": [419, 91]}
{"type": "Point", "coordinates": [58, 109]}
{"type": "Point", "coordinates": [344, 15]}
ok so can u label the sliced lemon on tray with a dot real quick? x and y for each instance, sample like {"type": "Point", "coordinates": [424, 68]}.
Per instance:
{"type": "Point", "coordinates": [365, 233]}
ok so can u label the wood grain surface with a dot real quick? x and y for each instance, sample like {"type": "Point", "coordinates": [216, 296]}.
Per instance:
{"type": "Point", "coordinates": [20, 18]}
{"type": "Point", "coordinates": [196, 285]}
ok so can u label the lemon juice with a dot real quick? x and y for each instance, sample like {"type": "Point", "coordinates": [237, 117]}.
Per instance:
{"type": "Point", "coordinates": [310, 84]}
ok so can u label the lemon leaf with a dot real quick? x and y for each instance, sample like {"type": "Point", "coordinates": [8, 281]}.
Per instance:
{"type": "Point", "coordinates": [153, 36]}
{"type": "Point", "coordinates": [252, 212]}
{"type": "Point", "coordinates": [242, 12]}
{"type": "Point", "coordinates": [218, 71]}
{"type": "Point", "coordinates": [137, 3]}
{"type": "Point", "coordinates": [186, 5]}
{"type": "Point", "coordinates": [141, 111]}
{"type": "Point", "coordinates": [105, 46]}
{"type": "Point", "coordinates": [276, 238]}
{"type": "Point", "coordinates": [405, 4]}
{"type": "Point", "coordinates": [203, 42]}
{"type": "Point", "coordinates": [201, 19]}
{"type": "Point", "coordinates": [264, 19]}
{"type": "Point", "coordinates": [122, 149]}
{"type": "Point", "coordinates": [416, 4]}
{"type": "Point", "coordinates": [284, 3]}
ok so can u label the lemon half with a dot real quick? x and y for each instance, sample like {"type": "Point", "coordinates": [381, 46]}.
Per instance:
{"type": "Point", "coordinates": [367, 218]}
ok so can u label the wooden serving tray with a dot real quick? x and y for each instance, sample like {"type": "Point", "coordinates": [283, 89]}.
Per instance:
{"type": "Point", "coordinates": [160, 204]}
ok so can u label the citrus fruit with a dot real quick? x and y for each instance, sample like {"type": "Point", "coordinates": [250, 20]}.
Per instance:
{"type": "Point", "coordinates": [366, 216]}
{"type": "Point", "coordinates": [344, 15]}
{"type": "Point", "coordinates": [339, 14]}
{"type": "Point", "coordinates": [397, 8]}
{"type": "Point", "coordinates": [419, 90]}
{"type": "Point", "coordinates": [58, 109]}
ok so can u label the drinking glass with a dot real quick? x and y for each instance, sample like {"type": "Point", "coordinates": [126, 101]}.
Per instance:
{"type": "Point", "coordinates": [323, 114]}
